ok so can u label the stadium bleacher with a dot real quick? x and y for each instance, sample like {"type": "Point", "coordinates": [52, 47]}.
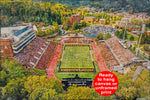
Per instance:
{"type": "Point", "coordinates": [73, 40]}
{"type": "Point", "coordinates": [35, 53]}
{"type": "Point", "coordinates": [123, 55]}
{"type": "Point", "coordinates": [109, 59]}
{"type": "Point", "coordinates": [46, 57]}
{"type": "Point", "coordinates": [77, 40]}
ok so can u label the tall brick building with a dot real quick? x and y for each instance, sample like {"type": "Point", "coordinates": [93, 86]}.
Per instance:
{"type": "Point", "coordinates": [74, 18]}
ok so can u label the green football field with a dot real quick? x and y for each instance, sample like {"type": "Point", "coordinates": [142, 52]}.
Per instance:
{"type": "Point", "coordinates": [61, 75]}
{"type": "Point", "coordinates": [76, 57]}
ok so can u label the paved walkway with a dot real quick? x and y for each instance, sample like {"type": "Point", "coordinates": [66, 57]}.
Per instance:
{"type": "Point", "coordinates": [49, 36]}
{"type": "Point", "coordinates": [100, 61]}
{"type": "Point", "coordinates": [53, 62]}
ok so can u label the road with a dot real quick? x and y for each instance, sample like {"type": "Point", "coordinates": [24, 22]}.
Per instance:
{"type": "Point", "coordinates": [63, 31]}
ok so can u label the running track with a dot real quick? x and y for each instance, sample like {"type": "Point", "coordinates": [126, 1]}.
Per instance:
{"type": "Point", "coordinates": [100, 61]}
{"type": "Point", "coordinates": [53, 62]}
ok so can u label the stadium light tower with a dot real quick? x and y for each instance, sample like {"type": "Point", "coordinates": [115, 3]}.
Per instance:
{"type": "Point", "coordinates": [126, 23]}
{"type": "Point", "coordinates": [0, 22]}
{"type": "Point", "coordinates": [143, 29]}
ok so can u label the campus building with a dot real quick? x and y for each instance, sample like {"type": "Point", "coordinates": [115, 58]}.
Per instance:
{"type": "Point", "coordinates": [89, 19]}
{"type": "Point", "coordinates": [126, 23]}
{"type": "Point", "coordinates": [14, 39]}
{"type": "Point", "coordinates": [102, 21]}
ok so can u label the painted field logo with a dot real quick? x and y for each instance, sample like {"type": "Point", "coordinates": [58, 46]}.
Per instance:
{"type": "Point", "coordinates": [106, 83]}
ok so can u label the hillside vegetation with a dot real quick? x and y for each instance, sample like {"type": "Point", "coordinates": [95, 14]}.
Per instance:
{"type": "Point", "coordinates": [127, 5]}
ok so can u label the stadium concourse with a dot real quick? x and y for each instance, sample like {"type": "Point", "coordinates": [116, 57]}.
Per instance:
{"type": "Point", "coordinates": [51, 67]}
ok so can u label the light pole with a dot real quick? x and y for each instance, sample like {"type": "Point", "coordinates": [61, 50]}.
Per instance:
{"type": "Point", "coordinates": [125, 29]}
{"type": "Point", "coordinates": [143, 29]}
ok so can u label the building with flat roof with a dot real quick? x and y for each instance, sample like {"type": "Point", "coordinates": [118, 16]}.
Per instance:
{"type": "Point", "coordinates": [89, 19]}
{"type": "Point", "coordinates": [19, 36]}
{"type": "Point", "coordinates": [102, 21]}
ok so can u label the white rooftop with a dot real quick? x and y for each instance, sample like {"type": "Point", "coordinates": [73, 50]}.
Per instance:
{"type": "Point", "coordinates": [15, 33]}
{"type": "Point", "coordinates": [8, 32]}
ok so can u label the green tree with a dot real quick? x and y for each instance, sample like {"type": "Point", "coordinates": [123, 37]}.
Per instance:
{"type": "Point", "coordinates": [133, 89]}
{"type": "Point", "coordinates": [75, 25]}
{"type": "Point", "coordinates": [147, 47]}
{"type": "Point", "coordinates": [66, 25]}
{"type": "Point", "coordinates": [78, 93]}
{"type": "Point", "coordinates": [107, 36]}
{"type": "Point", "coordinates": [100, 36]}
{"type": "Point", "coordinates": [122, 34]}
{"type": "Point", "coordinates": [14, 89]}
{"type": "Point", "coordinates": [145, 39]}
{"type": "Point", "coordinates": [43, 94]}
{"type": "Point", "coordinates": [34, 82]}
{"type": "Point", "coordinates": [127, 93]}
{"type": "Point", "coordinates": [110, 10]}
{"type": "Point", "coordinates": [117, 33]}
{"type": "Point", "coordinates": [55, 24]}
{"type": "Point", "coordinates": [3, 77]}
{"type": "Point", "coordinates": [132, 38]}
{"type": "Point", "coordinates": [83, 24]}
{"type": "Point", "coordinates": [11, 70]}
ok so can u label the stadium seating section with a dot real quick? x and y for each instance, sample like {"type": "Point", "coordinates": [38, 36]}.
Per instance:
{"type": "Point", "coordinates": [107, 55]}
{"type": "Point", "coordinates": [77, 40]}
{"type": "Point", "coordinates": [124, 56]}
{"type": "Point", "coordinates": [37, 54]}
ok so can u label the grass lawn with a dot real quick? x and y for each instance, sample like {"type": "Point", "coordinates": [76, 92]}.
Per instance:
{"type": "Point", "coordinates": [129, 35]}
{"type": "Point", "coordinates": [147, 28]}
{"type": "Point", "coordinates": [76, 57]}
{"type": "Point", "coordinates": [41, 72]}
{"type": "Point", "coordinates": [140, 48]}
{"type": "Point", "coordinates": [61, 75]}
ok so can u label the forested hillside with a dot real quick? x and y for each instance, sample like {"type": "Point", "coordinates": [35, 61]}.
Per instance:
{"type": "Point", "coordinates": [135, 5]}
{"type": "Point", "coordinates": [28, 11]}
{"type": "Point", "coordinates": [48, 11]}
